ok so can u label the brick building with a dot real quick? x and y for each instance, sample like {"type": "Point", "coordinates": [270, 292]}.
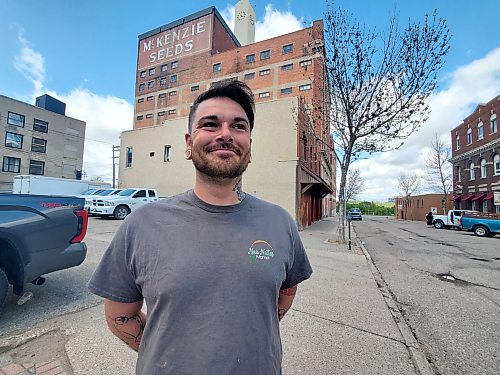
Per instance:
{"type": "Point", "coordinates": [293, 161]}
{"type": "Point", "coordinates": [39, 140]}
{"type": "Point", "coordinates": [417, 206]}
{"type": "Point", "coordinates": [476, 159]}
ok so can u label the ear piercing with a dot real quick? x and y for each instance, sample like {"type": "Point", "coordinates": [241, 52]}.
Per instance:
{"type": "Point", "coordinates": [188, 154]}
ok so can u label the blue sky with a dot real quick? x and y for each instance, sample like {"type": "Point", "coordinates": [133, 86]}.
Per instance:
{"type": "Point", "coordinates": [85, 53]}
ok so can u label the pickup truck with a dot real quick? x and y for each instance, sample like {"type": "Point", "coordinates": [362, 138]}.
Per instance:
{"type": "Point", "coordinates": [482, 224]}
{"type": "Point", "coordinates": [451, 220]}
{"type": "Point", "coordinates": [123, 203]}
{"type": "Point", "coordinates": [39, 234]}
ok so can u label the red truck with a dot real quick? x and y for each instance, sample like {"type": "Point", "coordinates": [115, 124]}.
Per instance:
{"type": "Point", "coordinates": [39, 234]}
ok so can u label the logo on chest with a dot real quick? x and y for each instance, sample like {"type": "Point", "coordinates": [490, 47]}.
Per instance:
{"type": "Point", "coordinates": [261, 253]}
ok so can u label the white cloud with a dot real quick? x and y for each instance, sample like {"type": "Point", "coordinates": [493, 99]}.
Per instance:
{"type": "Point", "coordinates": [31, 64]}
{"type": "Point", "coordinates": [469, 85]}
{"type": "Point", "coordinates": [275, 23]}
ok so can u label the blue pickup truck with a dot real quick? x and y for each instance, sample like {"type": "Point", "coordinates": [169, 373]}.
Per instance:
{"type": "Point", "coordinates": [482, 224]}
{"type": "Point", "coordinates": [39, 234]}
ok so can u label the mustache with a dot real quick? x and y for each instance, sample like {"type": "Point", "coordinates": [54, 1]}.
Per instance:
{"type": "Point", "coordinates": [223, 146]}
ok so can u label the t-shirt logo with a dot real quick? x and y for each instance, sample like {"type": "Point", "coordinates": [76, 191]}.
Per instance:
{"type": "Point", "coordinates": [261, 253]}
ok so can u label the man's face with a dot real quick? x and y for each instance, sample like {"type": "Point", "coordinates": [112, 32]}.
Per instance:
{"type": "Point", "coordinates": [219, 143]}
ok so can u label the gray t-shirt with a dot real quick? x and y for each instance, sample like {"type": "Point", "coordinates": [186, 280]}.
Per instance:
{"type": "Point", "coordinates": [210, 276]}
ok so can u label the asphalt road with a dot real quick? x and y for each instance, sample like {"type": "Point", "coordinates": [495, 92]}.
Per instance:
{"type": "Point", "coordinates": [447, 285]}
{"type": "Point", "coordinates": [65, 291]}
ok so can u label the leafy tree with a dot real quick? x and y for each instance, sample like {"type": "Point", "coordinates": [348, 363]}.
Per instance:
{"type": "Point", "coordinates": [378, 83]}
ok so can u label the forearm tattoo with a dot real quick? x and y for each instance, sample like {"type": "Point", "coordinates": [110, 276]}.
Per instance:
{"type": "Point", "coordinates": [239, 192]}
{"type": "Point", "coordinates": [129, 333]}
{"type": "Point", "coordinates": [290, 291]}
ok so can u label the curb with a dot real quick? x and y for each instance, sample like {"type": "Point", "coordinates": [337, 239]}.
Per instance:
{"type": "Point", "coordinates": [416, 353]}
{"type": "Point", "coordinates": [15, 341]}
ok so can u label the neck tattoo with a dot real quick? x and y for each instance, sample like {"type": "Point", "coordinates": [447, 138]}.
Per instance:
{"type": "Point", "coordinates": [239, 193]}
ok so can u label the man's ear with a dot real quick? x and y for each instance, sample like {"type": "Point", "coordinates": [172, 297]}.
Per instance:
{"type": "Point", "coordinates": [187, 138]}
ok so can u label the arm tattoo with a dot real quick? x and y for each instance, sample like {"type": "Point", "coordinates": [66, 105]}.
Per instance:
{"type": "Point", "coordinates": [126, 333]}
{"type": "Point", "coordinates": [289, 291]}
{"type": "Point", "coordinates": [237, 189]}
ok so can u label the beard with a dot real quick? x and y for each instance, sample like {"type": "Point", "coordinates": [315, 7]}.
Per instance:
{"type": "Point", "coordinates": [220, 167]}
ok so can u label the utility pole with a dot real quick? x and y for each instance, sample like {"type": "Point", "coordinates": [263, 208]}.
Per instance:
{"type": "Point", "coordinates": [115, 149]}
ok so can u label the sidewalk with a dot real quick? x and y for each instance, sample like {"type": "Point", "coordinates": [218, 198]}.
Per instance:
{"type": "Point", "coordinates": [343, 321]}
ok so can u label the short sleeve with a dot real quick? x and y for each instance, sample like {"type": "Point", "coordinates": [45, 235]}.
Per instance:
{"type": "Point", "coordinates": [113, 278]}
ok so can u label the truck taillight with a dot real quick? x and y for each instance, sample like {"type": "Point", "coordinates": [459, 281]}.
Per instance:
{"type": "Point", "coordinates": [83, 219]}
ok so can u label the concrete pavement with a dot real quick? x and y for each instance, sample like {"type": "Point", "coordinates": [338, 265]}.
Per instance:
{"type": "Point", "coordinates": [343, 321]}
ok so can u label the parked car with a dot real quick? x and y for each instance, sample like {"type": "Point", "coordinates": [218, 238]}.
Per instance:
{"type": "Point", "coordinates": [120, 205]}
{"type": "Point", "coordinates": [453, 219]}
{"type": "Point", "coordinates": [354, 214]}
{"type": "Point", "coordinates": [482, 224]}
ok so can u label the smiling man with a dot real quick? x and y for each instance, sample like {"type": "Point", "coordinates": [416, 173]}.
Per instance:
{"type": "Point", "coordinates": [217, 268]}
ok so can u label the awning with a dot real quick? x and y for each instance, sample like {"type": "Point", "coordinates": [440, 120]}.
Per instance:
{"type": "Point", "coordinates": [457, 197]}
{"type": "Point", "coordinates": [467, 197]}
{"type": "Point", "coordinates": [479, 196]}
{"type": "Point", "coordinates": [489, 196]}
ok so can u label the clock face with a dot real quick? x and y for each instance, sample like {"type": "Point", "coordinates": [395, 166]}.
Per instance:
{"type": "Point", "coordinates": [251, 20]}
{"type": "Point", "coordinates": [241, 15]}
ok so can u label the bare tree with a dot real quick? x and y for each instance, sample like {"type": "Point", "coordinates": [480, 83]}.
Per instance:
{"type": "Point", "coordinates": [438, 168]}
{"type": "Point", "coordinates": [378, 84]}
{"type": "Point", "coordinates": [354, 185]}
{"type": "Point", "coordinates": [408, 184]}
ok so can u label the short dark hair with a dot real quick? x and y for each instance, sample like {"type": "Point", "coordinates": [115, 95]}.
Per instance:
{"type": "Point", "coordinates": [234, 90]}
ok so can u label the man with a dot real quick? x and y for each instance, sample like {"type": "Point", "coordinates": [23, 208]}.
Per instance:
{"type": "Point", "coordinates": [217, 268]}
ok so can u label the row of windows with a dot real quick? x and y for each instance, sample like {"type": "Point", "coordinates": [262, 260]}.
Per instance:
{"type": "Point", "coordinates": [266, 55]}
{"type": "Point", "coordinates": [163, 82]}
{"type": "Point", "coordinates": [14, 140]}
{"type": "Point", "coordinates": [480, 132]}
{"type": "Point", "coordinates": [284, 68]}
{"type": "Point", "coordinates": [160, 114]}
{"type": "Point", "coordinates": [482, 168]}
{"type": "Point", "coordinates": [13, 165]}
{"type": "Point", "coordinates": [17, 119]}
{"type": "Point", "coordinates": [286, 91]}
{"type": "Point", "coordinates": [167, 152]}
{"type": "Point", "coordinates": [163, 68]}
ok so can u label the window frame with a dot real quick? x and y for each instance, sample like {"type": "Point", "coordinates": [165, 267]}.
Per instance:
{"type": "Point", "coordinates": [480, 131]}
{"type": "Point", "coordinates": [6, 158]}
{"type": "Point", "coordinates": [482, 164]}
{"type": "Point", "coordinates": [472, 171]}
{"type": "Point", "coordinates": [457, 142]}
{"type": "Point", "coordinates": [40, 124]}
{"type": "Point", "coordinates": [174, 64]}
{"type": "Point", "coordinates": [142, 74]}
{"type": "Point", "coordinates": [249, 76]}
{"type": "Point", "coordinates": [305, 63]}
{"type": "Point", "coordinates": [264, 72]}
{"type": "Point", "coordinates": [14, 122]}
{"type": "Point", "coordinates": [32, 167]}
{"type": "Point", "coordinates": [265, 94]}
{"type": "Point", "coordinates": [305, 87]}
{"type": "Point", "coordinates": [493, 124]}
{"type": "Point", "coordinates": [151, 84]}
{"type": "Point", "coordinates": [171, 111]}
{"type": "Point", "coordinates": [164, 68]}
{"type": "Point", "coordinates": [44, 141]}
{"type": "Point", "coordinates": [140, 117]}
{"type": "Point", "coordinates": [167, 153]}
{"type": "Point", "coordinates": [172, 93]}
{"type": "Point", "coordinates": [265, 55]}
{"type": "Point", "coordinates": [129, 157]}
{"type": "Point", "coordinates": [287, 49]}
{"type": "Point", "coordinates": [195, 88]}
{"type": "Point", "coordinates": [469, 136]}
{"type": "Point", "coordinates": [152, 71]}
{"type": "Point", "coordinates": [286, 90]}
{"type": "Point", "coordinates": [142, 86]}
{"type": "Point", "coordinates": [459, 173]}
{"type": "Point", "coordinates": [173, 78]}
{"type": "Point", "coordinates": [21, 136]}
{"type": "Point", "coordinates": [287, 67]}
{"type": "Point", "coordinates": [496, 164]}
{"type": "Point", "coordinates": [250, 59]}
{"type": "Point", "coordinates": [217, 68]}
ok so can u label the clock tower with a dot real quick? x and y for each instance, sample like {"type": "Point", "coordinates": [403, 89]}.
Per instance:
{"type": "Point", "coordinates": [244, 22]}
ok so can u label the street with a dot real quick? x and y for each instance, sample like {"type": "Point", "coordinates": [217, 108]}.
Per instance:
{"type": "Point", "coordinates": [447, 285]}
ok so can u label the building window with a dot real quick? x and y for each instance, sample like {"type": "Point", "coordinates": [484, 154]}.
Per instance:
{"type": "Point", "coordinates": [265, 72]}
{"type": "Point", "coordinates": [249, 76]}
{"type": "Point", "coordinates": [140, 100]}
{"type": "Point", "coordinates": [171, 111]}
{"type": "Point", "coordinates": [149, 115]}
{"type": "Point", "coordinates": [38, 145]}
{"type": "Point", "coordinates": [457, 139]}
{"type": "Point", "coordinates": [164, 68]}
{"type": "Point", "coordinates": [149, 98]}
{"type": "Point", "coordinates": [13, 140]}
{"type": "Point", "coordinates": [143, 74]}
{"type": "Point", "coordinates": [288, 48]}
{"type": "Point", "coordinates": [496, 164]}
{"type": "Point", "coordinates": [459, 174]}
{"type": "Point", "coordinates": [493, 124]}
{"type": "Point", "coordinates": [152, 71]}
{"type": "Point", "coordinates": [40, 126]}
{"type": "Point", "coordinates": [129, 157]}
{"type": "Point", "coordinates": [195, 88]}
{"type": "Point", "coordinates": [162, 96]}
{"type": "Point", "coordinates": [140, 117]}
{"type": "Point", "coordinates": [151, 84]}
{"type": "Point", "coordinates": [480, 131]}
{"type": "Point", "coordinates": [216, 67]}
{"type": "Point", "coordinates": [264, 94]}
{"type": "Point", "coordinates": [11, 164]}
{"type": "Point", "coordinates": [286, 90]}
{"type": "Point", "coordinates": [166, 152]}
{"type": "Point", "coordinates": [15, 119]}
{"type": "Point", "coordinates": [161, 114]}
{"type": "Point", "coordinates": [163, 81]}
{"type": "Point", "coordinates": [173, 78]}
{"type": "Point", "coordinates": [174, 64]}
{"type": "Point", "coordinates": [141, 87]}
{"type": "Point", "coordinates": [250, 59]}
{"type": "Point", "coordinates": [265, 55]}
{"type": "Point", "coordinates": [305, 63]}
{"type": "Point", "coordinates": [287, 67]}
{"type": "Point", "coordinates": [172, 93]}
{"type": "Point", "coordinates": [472, 171]}
{"type": "Point", "coordinates": [305, 87]}
{"type": "Point", "coordinates": [469, 136]}
{"type": "Point", "coordinates": [483, 168]}
{"type": "Point", "coordinates": [37, 167]}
